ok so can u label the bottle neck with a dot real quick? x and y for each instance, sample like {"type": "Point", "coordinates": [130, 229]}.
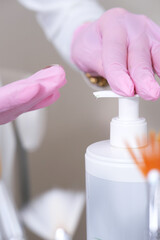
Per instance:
{"type": "Point", "coordinates": [127, 132]}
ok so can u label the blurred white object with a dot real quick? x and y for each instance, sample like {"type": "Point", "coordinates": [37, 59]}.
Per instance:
{"type": "Point", "coordinates": [8, 150]}
{"type": "Point", "coordinates": [61, 235]}
{"type": "Point", "coordinates": [10, 228]}
{"type": "Point", "coordinates": [153, 180]}
{"type": "Point", "coordinates": [31, 127]}
{"type": "Point", "coordinates": [55, 214]}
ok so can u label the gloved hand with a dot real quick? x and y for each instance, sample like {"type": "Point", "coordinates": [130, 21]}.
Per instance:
{"type": "Point", "coordinates": [122, 47]}
{"type": "Point", "coordinates": [37, 91]}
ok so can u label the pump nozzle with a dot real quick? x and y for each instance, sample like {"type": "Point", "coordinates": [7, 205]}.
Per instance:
{"type": "Point", "coordinates": [127, 126]}
{"type": "Point", "coordinates": [128, 106]}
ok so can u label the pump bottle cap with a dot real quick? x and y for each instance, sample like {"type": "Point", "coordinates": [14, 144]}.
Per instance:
{"type": "Point", "coordinates": [128, 126]}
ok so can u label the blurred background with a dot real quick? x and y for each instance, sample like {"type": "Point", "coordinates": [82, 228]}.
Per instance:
{"type": "Point", "coordinates": [76, 120]}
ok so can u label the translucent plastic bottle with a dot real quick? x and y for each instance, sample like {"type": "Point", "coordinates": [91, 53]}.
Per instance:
{"type": "Point", "coordinates": [117, 204]}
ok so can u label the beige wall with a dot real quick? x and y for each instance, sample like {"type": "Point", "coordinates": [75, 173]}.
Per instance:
{"type": "Point", "coordinates": [76, 119]}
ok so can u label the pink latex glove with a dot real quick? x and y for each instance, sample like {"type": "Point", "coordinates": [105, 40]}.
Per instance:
{"type": "Point", "coordinates": [37, 91]}
{"type": "Point", "coordinates": [122, 47]}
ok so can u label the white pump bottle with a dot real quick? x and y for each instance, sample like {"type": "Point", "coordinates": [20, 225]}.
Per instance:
{"type": "Point", "coordinates": [117, 204]}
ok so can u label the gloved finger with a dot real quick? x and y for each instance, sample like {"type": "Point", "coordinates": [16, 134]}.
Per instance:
{"type": "Point", "coordinates": [54, 75]}
{"type": "Point", "coordinates": [49, 90]}
{"type": "Point", "coordinates": [114, 55]}
{"type": "Point", "coordinates": [46, 102]}
{"type": "Point", "coordinates": [10, 115]}
{"type": "Point", "coordinates": [155, 52]}
{"type": "Point", "coordinates": [49, 87]}
{"type": "Point", "coordinates": [22, 91]}
{"type": "Point", "coordinates": [31, 93]}
{"type": "Point", "coordinates": [140, 68]}
{"type": "Point", "coordinates": [22, 104]}
{"type": "Point", "coordinates": [12, 97]}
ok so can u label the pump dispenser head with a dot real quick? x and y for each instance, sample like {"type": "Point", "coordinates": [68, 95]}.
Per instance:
{"type": "Point", "coordinates": [127, 127]}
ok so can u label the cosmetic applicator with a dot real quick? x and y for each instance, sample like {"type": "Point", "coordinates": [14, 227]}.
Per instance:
{"type": "Point", "coordinates": [10, 227]}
